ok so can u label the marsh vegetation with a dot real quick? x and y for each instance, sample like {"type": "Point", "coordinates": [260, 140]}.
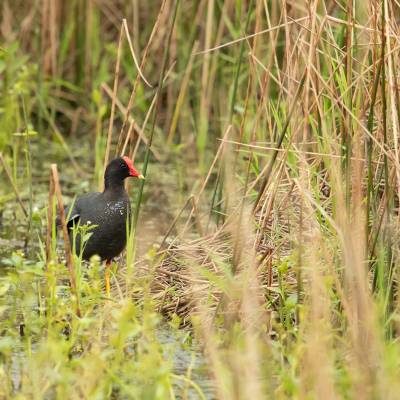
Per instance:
{"type": "Point", "coordinates": [262, 258]}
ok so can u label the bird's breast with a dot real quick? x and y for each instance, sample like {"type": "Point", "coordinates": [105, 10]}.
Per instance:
{"type": "Point", "coordinates": [108, 237]}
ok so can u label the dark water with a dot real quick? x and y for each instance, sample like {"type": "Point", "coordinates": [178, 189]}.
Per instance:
{"type": "Point", "coordinates": [184, 356]}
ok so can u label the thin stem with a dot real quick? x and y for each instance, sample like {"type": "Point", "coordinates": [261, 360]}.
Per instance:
{"type": "Point", "coordinates": [155, 115]}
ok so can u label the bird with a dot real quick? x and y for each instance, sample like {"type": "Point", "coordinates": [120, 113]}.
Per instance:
{"type": "Point", "coordinates": [106, 214]}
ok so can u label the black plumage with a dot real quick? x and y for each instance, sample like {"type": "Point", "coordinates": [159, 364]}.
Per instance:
{"type": "Point", "coordinates": [108, 212]}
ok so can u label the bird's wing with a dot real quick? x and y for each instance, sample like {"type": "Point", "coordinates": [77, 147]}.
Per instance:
{"type": "Point", "coordinates": [72, 215]}
{"type": "Point", "coordinates": [73, 212]}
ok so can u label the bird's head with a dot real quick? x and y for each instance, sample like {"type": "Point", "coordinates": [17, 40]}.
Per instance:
{"type": "Point", "coordinates": [119, 169]}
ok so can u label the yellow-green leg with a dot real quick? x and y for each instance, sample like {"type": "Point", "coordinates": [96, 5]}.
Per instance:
{"type": "Point", "coordinates": [107, 277]}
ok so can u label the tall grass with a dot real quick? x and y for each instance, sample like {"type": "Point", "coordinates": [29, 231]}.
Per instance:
{"type": "Point", "coordinates": [283, 120]}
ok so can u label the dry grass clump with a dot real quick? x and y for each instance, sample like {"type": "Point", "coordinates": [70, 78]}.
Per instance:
{"type": "Point", "coordinates": [205, 266]}
{"type": "Point", "coordinates": [176, 282]}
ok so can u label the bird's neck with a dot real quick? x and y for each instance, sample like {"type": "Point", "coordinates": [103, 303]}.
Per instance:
{"type": "Point", "coordinates": [114, 188]}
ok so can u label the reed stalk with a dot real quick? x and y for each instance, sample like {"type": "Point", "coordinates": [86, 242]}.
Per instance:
{"type": "Point", "coordinates": [67, 244]}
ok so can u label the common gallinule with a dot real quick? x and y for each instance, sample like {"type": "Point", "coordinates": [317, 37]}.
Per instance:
{"type": "Point", "coordinates": [108, 212]}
